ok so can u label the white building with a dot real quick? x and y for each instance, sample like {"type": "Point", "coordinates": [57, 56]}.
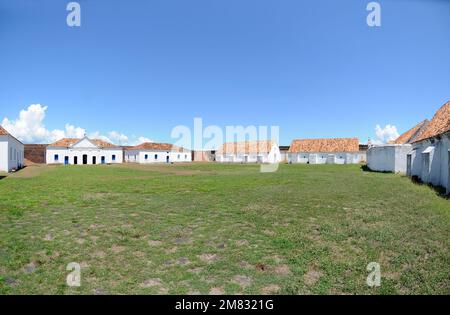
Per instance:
{"type": "Point", "coordinates": [83, 151]}
{"type": "Point", "coordinates": [392, 157]}
{"type": "Point", "coordinates": [249, 152]}
{"type": "Point", "coordinates": [11, 152]}
{"type": "Point", "coordinates": [429, 159]}
{"type": "Point", "coordinates": [150, 152]}
{"type": "Point", "coordinates": [326, 151]}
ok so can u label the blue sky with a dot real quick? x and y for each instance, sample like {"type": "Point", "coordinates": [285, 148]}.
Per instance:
{"type": "Point", "coordinates": [139, 68]}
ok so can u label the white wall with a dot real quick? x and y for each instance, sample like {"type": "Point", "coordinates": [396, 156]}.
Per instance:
{"type": "Point", "coordinates": [138, 156]}
{"type": "Point", "coordinates": [388, 158]}
{"type": "Point", "coordinates": [11, 154]}
{"type": "Point", "coordinates": [325, 158]}
{"type": "Point", "coordinates": [79, 152]}
{"type": "Point", "coordinates": [274, 156]}
{"type": "Point", "coordinates": [438, 171]}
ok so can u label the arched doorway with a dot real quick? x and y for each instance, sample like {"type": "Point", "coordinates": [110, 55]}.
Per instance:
{"type": "Point", "coordinates": [85, 159]}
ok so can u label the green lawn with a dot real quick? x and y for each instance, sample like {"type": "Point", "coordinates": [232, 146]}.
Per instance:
{"type": "Point", "coordinates": [208, 228]}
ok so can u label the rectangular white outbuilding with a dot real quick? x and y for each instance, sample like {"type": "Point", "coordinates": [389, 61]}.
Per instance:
{"type": "Point", "coordinates": [265, 151]}
{"type": "Point", "coordinates": [150, 152]}
{"type": "Point", "coordinates": [392, 157]}
{"type": "Point", "coordinates": [11, 152]}
{"type": "Point", "coordinates": [326, 151]}
{"type": "Point", "coordinates": [73, 151]}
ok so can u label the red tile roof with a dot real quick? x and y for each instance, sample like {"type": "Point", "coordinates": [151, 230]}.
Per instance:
{"type": "Point", "coordinates": [246, 147]}
{"type": "Point", "coordinates": [325, 145]}
{"type": "Point", "coordinates": [413, 133]}
{"type": "Point", "coordinates": [68, 142]}
{"type": "Point", "coordinates": [438, 125]}
{"type": "Point", "coordinates": [3, 131]}
{"type": "Point", "coordinates": [152, 146]}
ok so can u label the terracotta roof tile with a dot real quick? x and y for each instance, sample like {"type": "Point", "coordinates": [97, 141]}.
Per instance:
{"type": "Point", "coordinates": [3, 131]}
{"type": "Point", "coordinates": [412, 134]}
{"type": "Point", "coordinates": [68, 142]}
{"type": "Point", "coordinates": [157, 147]}
{"type": "Point", "coordinates": [325, 145]}
{"type": "Point", "coordinates": [438, 125]}
{"type": "Point", "coordinates": [246, 147]}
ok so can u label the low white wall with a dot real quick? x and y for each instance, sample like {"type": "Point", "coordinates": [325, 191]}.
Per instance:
{"type": "Point", "coordinates": [148, 156]}
{"type": "Point", "coordinates": [388, 158]}
{"type": "Point", "coordinates": [325, 158]}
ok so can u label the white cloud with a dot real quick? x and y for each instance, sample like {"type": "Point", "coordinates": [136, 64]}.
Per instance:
{"type": "Point", "coordinates": [30, 128]}
{"type": "Point", "coordinates": [385, 134]}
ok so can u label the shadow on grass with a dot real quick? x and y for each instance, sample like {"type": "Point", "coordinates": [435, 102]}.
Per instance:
{"type": "Point", "coordinates": [365, 168]}
{"type": "Point", "coordinates": [439, 190]}
{"type": "Point", "coordinates": [1, 177]}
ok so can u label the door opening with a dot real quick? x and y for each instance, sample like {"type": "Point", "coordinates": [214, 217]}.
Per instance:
{"type": "Point", "coordinates": [85, 159]}
{"type": "Point", "coordinates": [66, 160]}
{"type": "Point", "coordinates": [75, 160]}
{"type": "Point", "coordinates": [167, 159]}
{"type": "Point", "coordinates": [94, 160]}
{"type": "Point", "coordinates": [103, 160]}
{"type": "Point", "coordinates": [409, 165]}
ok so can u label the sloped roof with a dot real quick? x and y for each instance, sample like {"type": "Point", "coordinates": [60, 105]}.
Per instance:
{"type": "Point", "coordinates": [153, 146]}
{"type": "Point", "coordinates": [438, 125]}
{"type": "Point", "coordinates": [3, 132]}
{"type": "Point", "coordinates": [68, 142]}
{"type": "Point", "coordinates": [412, 134]}
{"type": "Point", "coordinates": [246, 147]}
{"type": "Point", "coordinates": [325, 145]}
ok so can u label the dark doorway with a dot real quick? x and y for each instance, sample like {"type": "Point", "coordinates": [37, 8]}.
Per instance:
{"type": "Point", "coordinates": [66, 160]}
{"type": "Point", "coordinates": [94, 160]}
{"type": "Point", "coordinates": [167, 159]}
{"type": "Point", "coordinates": [75, 160]}
{"type": "Point", "coordinates": [103, 160]}
{"type": "Point", "coordinates": [85, 159]}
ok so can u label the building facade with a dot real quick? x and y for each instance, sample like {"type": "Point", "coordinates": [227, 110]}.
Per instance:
{"type": "Point", "coordinates": [249, 152]}
{"type": "Point", "coordinates": [150, 152]}
{"type": "Point", "coordinates": [326, 151]}
{"type": "Point", "coordinates": [429, 160]}
{"type": "Point", "coordinates": [73, 151]}
{"type": "Point", "coordinates": [11, 152]}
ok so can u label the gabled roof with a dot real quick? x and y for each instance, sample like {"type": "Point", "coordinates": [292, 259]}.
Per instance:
{"type": "Point", "coordinates": [4, 132]}
{"type": "Point", "coordinates": [325, 145]}
{"type": "Point", "coordinates": [438, 125]}
{"type": "Point", "coordinates": [152, 146]}
{"type": "Point", "coordinates": [412, 134]}
{"type": "Point", "coordinates": [246, 147]}
{"type": "Point", "coordinates": [69, 142]}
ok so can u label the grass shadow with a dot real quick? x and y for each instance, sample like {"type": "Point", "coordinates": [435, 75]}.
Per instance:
{"type": "Point", "coordinates": [1, 177]}
{"type": "Point", "coordinates": [365, 168]}
{"type": "Point", "coordinates": [439, 190]}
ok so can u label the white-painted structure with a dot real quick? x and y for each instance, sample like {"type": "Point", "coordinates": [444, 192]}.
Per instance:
{"type": "Point", "coordinates": [429, 159]}
{"type": "Point", "coordinates": [11, 152]}
{"type": "Point", "coordinates": [392, 157]}
{"type": "Point", "coordinates": [249, 152]}
{"type": "Point", "coordinates": [388, 158]}
{"type": "Point", "coordinates": [72, 151]}
{"type": "Point", "coordinates": [150, 152]}
{"type": "Point", "coordinates": [326, 151]}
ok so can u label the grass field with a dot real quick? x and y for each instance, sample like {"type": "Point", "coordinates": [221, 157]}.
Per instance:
{"type": "Point", "coordinates": [212, 229]}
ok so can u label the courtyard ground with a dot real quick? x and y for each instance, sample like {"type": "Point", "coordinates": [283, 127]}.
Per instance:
{"type": "Point", "coordinates": [212, 229]}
